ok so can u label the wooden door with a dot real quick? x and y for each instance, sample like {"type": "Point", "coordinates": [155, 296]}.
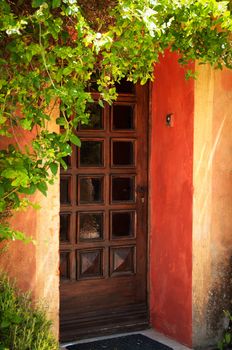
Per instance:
{"type": "Point", "coordinates": [103, 221]}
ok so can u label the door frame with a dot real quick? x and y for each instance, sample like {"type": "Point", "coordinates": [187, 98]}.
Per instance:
{"type": "Point", "coordinates": [148, 233]}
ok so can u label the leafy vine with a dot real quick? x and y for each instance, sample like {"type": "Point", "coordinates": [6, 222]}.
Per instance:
{"type": "Point", "coordinates": [52, 51]}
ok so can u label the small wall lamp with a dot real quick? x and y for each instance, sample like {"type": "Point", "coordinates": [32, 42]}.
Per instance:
{"type": "Point", "coordinates": [170, 120]}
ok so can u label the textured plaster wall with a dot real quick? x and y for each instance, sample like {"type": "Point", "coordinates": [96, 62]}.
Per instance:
{"type": "Point", "coordinates": [171, 170]}
{"type": "Point", "coordinates": [212, 209]}
{"type": "Point", "coordinates": [47, 249]}
{"type": "Point", "coordinates": [16, 258]}
{"type": "Point", "coordinates": [36, 267]}
{"type": "Point", "coordinates": [47, 253]}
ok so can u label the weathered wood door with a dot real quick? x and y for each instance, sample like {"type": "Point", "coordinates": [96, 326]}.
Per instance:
{"type": "Point", "coordinates": [103, 221]}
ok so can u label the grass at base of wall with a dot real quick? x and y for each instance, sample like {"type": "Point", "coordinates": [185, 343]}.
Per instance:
{"type": "Point", "coordinates": [23, 325]}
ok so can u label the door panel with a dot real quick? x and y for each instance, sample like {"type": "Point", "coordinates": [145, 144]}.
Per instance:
{"type": "Point", "coordinates": [103, 221]}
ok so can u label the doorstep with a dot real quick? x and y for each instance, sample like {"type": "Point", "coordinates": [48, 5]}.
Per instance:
{"type": "Point", "coordinates": [151, 333]}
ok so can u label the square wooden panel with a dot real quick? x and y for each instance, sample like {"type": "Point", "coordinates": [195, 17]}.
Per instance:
{"type": "Point", "coordinates": [122, 261]}
{"type": "Point", "coordinates": [90, 226]}
{"type": "Point", "coordinates": [89, 263]}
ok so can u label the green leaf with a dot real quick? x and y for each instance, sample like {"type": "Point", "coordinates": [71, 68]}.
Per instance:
{"type": "Point", "coordinates": [64, 165]}
{"type": "Point", "coordinates": [2, 205]}
{"type": "Point", "coordinates": [21, 237]}
{"type": "Point", "coordinates": [56, 3]}
{"type": "Point", "coordinates": [2, 119]}
{"type": "Point", "coordinates": [228, 338]}
{"type": "Point", "coordinates": [1, 190]}
{"type": "Point", "coordinates": [15, 199]}
{"type": "Point", "coordinates": [67, 70]}
{"type": "Point", "coordinates": [42, 187]}
{"type": "Point", "coordinates": [37, 3]}
{"type": "Point", "coordinates": [143, 81]}
{"type": "Point", "coordinates": [26, 124]}
{"type": "Point", "coordinates": [5, 324]}
{"type": "Point", "coordinates": [9, 173]}
{"type": "Point", "coordinates": [21, 180]}
{"type": "Point", "coordinates": [7, 233]}
{"type": "Point", "coordinates": [2, 347]}
{"type": "Point", "coordinates": [75, 140]}
{"type": "Point", "coordinates": [54, 168]}
{"type": "Point", "coordinates": [101, 103]}
{"type": "Point", "coordinates": [30, 190]}
{"type": "Point", "coordinates": [61, 121]}
{"type": "Point", "coordinates": [17, 318]}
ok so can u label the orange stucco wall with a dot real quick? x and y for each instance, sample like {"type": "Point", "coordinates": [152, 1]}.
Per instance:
{"type": "Point", "coordinates": [171, 167]}
{"type": "Point", "coordinates": [17, 258]}
{"type": "Point", "coordinates": [12, 258]}
{"type": "Point", "coordinates": [212, 205]}
{"type": "Point", "coordinates": [190, 210]}
{"type": "Point", "coordinates": [35, 268]}
{"type": "Point", "coordinates": [191, 203]}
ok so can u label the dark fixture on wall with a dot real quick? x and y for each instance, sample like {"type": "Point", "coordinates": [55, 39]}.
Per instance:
{"type": "Point", "coordinates": [170, 120]}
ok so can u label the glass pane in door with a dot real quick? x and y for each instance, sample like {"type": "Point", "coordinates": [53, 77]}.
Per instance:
{"type": "Point", "coordinates": [91, 189]}
{"type": "Point", "coordinates": [123, 153]}
{"type": "Point", "coordinates": [90, 226]}
{"type": "Point", "coordinates": [95, 119]}
{"type": "Point", "coordinates": [122, 188]}
{"type": "Point", "coordinates": [123, 117]}
{"type": "Point", "coordinates": [64, 227]}
{"type": "Point", "coordinates": [122, 224]}
{"type": "Point", "coordinates": [91, 153]}
{"type": "Point", "coordinates": [65, 185]}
